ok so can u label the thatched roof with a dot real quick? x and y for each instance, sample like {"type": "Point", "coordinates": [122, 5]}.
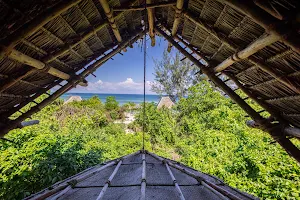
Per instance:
{"type": "Point", "coordinates": [72, 99]}
{"type": "Point", "coordinates": [165, 102]}
{"type": "Point", "coordinates": [252, 43]}
{"type": "Point", "coordinates": [141, 176]}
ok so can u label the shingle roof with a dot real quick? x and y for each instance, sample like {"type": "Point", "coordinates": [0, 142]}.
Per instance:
{"type": "Point", "coordinates": [123, 179]}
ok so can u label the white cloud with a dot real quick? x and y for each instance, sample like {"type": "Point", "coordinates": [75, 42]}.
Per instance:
{"type": "Point", "coordinates": [128, 86]}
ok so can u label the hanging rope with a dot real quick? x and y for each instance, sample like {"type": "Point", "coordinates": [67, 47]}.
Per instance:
{"type": "Point", "coordinates": [145, 55]}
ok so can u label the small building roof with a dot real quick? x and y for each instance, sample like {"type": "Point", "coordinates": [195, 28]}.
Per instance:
{"type": "Point", "coordinates": [141, 175]}
{"type": "Point", "coordinates": [165, 102]}
{"type": "Point", "coordinates": [73, 98]}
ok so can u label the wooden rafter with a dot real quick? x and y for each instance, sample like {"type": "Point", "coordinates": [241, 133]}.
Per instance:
{"type": "Point", "coordinates": [178, 10]}
{"type": "Point", "coordinates": [111, 19]}
{"type": "Point", "coordinates": [142, 7]}
{"type": "Point", "coordinates": [260, 43]}
{"type": "Point", "coordinates": [271, 24]}
{"type": "Point", "coordinates": [150, 12]}
{"type": "Point", "coordinates": [275, 130]}
{"type": "Point", "coordinates": [246, 52]}
{"type": "Point", "coordinates": [27, 60]}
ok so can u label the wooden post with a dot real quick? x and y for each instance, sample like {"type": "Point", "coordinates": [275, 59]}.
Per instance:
{"type": "Point", "coordinates": [36, 24]}
{"type": "Point", "coordinates": [111, 20]}
{"type": "Point", "coordinates": [178, 10]}
{"type": "Point", "coordinates": [150, 12]}
{"type": "Point", "coordinates": [213, 77]}
{"type": "Point", "coordinates": [142, 7]}
{"type": "Point", "coordinates": [265, 5]}
{"type": "Point", "coordinates": [27, 60]}
{"type": "Point", "coordinates": [268, 22]}
{"type": "Point", "coordinates": [288, 130]}
{"type": "Point", "coordinates": [12, 124]}
{"type": "Point", "coordinates": [251, 49]}
{"type": "Point", "coordinates": [274, 130]}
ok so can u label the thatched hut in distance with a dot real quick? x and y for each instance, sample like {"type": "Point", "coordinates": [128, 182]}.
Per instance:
{"type": "Point", "coordinates": [165, 102]}
{"type": "Point", "coordinates": [72, 99]}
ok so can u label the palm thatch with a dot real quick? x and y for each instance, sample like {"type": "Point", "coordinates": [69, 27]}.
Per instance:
{"type": "Point", "coordinates": [59, 43]}
{"type": "Point", "coordinates": [165, 102]}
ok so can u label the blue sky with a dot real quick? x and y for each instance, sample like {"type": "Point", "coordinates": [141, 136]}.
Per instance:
{"type": "Point", "coordinates": [124, 74]}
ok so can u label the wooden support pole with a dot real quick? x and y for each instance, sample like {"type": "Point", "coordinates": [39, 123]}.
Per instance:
{"type": "Point", "coordinates": [142, 7]}
{"type": "Point", "coordinates": [36, 24]}
{"type": "Point", "coordinates": [288, 130]}
{"type": "Point", "coordinates": [260, 43]}
{"type": "Point", "coordinates": [150, 12]}
{"type": "Point", "coordinates": [110, 18]}
{"type": "Point", "coordinates": [251, 48]}
{"type": "Point", "coordinates": [281, 29]}
{"type": "Point", "coordinates": [213, 77]}
{"type": "Point", "coordinates": [12, 124]}
{"type": "Point", "coordinates": [266, 5]}
{"type": "Point", "coordinates": [27, 60]}
{"type": "Point", "coordinates": [178, 10]}
{"type": "Point", "coordinates": [274, 130]}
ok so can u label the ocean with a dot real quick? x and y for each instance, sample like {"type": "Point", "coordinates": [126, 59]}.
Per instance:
{"type": "Point", "coordinates": [121, 98]}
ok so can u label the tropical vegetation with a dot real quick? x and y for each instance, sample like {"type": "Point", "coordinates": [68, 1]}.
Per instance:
{"type": "Point", "coordinates": [205, 131]}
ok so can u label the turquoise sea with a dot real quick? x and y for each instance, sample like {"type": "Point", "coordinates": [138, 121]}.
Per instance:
{"type": "Point", "coordinates": [121, 98]}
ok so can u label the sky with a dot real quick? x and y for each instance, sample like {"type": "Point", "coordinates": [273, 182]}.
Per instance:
{"type": "Point", "coordinates": [124, 74]}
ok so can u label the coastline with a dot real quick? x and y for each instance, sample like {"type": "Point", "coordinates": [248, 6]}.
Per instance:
{"type": "Point", "coordinates": [121, 98]}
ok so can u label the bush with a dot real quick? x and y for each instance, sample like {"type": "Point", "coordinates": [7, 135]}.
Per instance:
{"type": "Point", "coordinates": [111, 103]}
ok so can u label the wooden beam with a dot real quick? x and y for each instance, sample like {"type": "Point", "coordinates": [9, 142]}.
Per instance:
{"type": "Point", "coordinates": [178, 10]}
{"type": "Point", "coordinates": [288, 130]}
{"type": "Point", "coordinates": [260, 43]}
{"type": "Point", "coordinates": [272, 25]}
{"type": "Point", "coordinates": [110, 18]}
{"type": "Point", "coordinates": [266, 5]}
{"type": "Point", "coordinates": [252, 48]}
{"type": "Point", "coordinates": [12, 124]}
{"type": "Point", "coordinates": [142, 7]}
{"type": "Point", "coordinates": [27, 60]}
{"type": "Point", "coordinates": [213, 77]}
{"type": "Point", "coordinates": [273, 129]}
{"type": "Point", "coordinates": [35, 24]}
{"type": "Point", "coordinates": [150, 12]}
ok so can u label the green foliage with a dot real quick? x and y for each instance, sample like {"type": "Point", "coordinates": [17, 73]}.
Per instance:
{"type": "Point", "coordinates": [111, 103]}
{"type": "Point", "coordinates": [205, 131]}
{"type": "Point", "coordinates": [69, 139]}
{"type": "Point", "coordinates": [173, 76]}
